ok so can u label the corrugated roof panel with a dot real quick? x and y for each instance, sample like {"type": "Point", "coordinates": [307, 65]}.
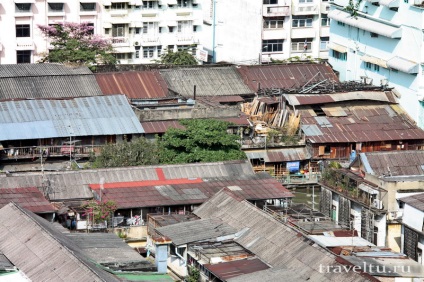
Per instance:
{"type": "Point", "coordinates": [62, 118]}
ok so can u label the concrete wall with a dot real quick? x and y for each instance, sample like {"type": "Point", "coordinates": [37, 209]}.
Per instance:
{"type": "Point", "coordinates": [176, 114]}
{"type": "Point", "coordinates": [413, 217]}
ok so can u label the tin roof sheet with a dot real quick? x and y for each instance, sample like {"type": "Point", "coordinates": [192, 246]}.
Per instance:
{"type": "Point", "coordinates": [216, 81]}
{"type": "Point", "coordinates": [44, 81]}
{"type": "Point", "coordinates": [394, 163]}
{"type": "Point", "coordinates": [416, 201]}
{"type": "Point", "coordinates": [197, 230]}
{"type": "Point", "coordinates": [134, 84]}
{"type": "Point", "coordinates": [285, 76]}
{"type": "Point", "coordinates": [152, 127]}
{"type": "Point", "coordinates": [329, 241]}
{"type": "Point", "coordinates": [226, 270]}
{"type": "Point", "coordinates": [280, 155]}
{"type": "Point", "coordinates": [365, 123]}
{"type": "Point", "coordinates": [29, 198]}
{"type": "Point", "coordinates": [38, 119]}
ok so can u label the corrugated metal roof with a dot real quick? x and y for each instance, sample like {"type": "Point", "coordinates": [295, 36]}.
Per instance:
{"type": "Point", "coordinates": [275, 243]}
{"type": "Point", "coordinates": [197, 230]}
{"type": "Point", "coordinates": [29, 198]}
{"type": "Point", "coordinates": [67, 185]}
{"type": "Point", "coordinates": [37, 248]}
{"type": "Point", "coordinates": [226, 270]}
{"type": "Point", "coordinates": [160, 193]}
{"type": "Point", "coordinates": [38, 119]}
{"type": "Point", "coordinates": [329, 241]}
{"type": "Point", "coordinates": [152, 127]}
{"type": "Point", "coordinates": [285, 76]}
{"type": "Point", "coordinates": [368, 123]}
{"type": "Point", "coordinates": [217, 81]}
{"type": "Point", "coordinates": [394, 163]}
{"type": "Point", "coordinates": [44, 81]}
{"type": "Point", "coordinates": [134, 84]}
{"type": "Point", "coordinates": [272, 275]}
{"type": "Point", "coordinates": [287, 155]}
{"type": "Point", "coordinates": [310, 99]}
{"type": "Point", "coordinates": [416, 201]}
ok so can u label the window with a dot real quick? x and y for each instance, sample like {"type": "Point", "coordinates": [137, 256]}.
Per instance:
{"type": "Point", "coordinates": [184, 26]}
{"type": "Point", "coordinates": [194, 28]}
{"type": "Point", "coordinates": [171, 29]}
{"type": "Point", "coordinates": [340, 23]}
{"type": "Point", "coordinates": [137, 54]}
{"type": "Point", "coordinates": [149, 28]}
{"type": "Point", "coordinates": [325, 20]}
{"type": "Point", "coordinates": [23, 30]}
{"type": "Point", "coordinates": [274, 45]}
{"type": "Point", "coordinates": [368, 65]}
{"type": "Point", "coordinates": [338, 55]}
{"type": "Point", "coordinates": [91, 25]}
{"type": "Point", "coordinates": [55, 7]}
{"type": "Point", "coordinates": [371, 66]}
{"type": "Point", "coordinates": [183, 3]}
{"type": "Point", "coordinates": [274, 23]}
{"type": "Point", "coordinates": [301, 45]}
{"type": "Point", "coordinates": [323, 43]}
{"type": "Point", "coordinates": [22, 7]}
{"type": "Point", "coordinates": [148, 4]}
{"type": "Point", "coordinates": [302, 21]}
{"type": "Point", "coordinates": [160, 29]}
{"type": "Point", "coordinates": [118, 30]}
{"type": "Point", "coordinates": [107, 30]}
{"type": "Point", "coordinates": [120, 56]}
{"type": "Point", "coordinates": [137, 30]}
{"type": "Point", "coordinates": [23, 57]}
{"type": "Point", "coordinates": [170, 48]}
{"type": "Point", "coordinates": [159, 49]}
{"type": "Point", "coordinates": [306, 1]}
{"type": "Point", "coordinates": [84, 7]}
{"type": "Point", "coordinates": [118, 6]}
{"type": "Point", "coordinates": [376, 68]}
{"type": "Point", "coordinates": [373, 34]}
{"type": "Point", "coordinates": [148, 52]}
{"type": "Point", "coordinates": [267, 2]}
{"type": "Point", "coordinates": [183, 47]}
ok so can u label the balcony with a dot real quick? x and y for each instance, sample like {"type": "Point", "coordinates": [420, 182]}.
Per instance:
{"type": "Point", "coordinates": [120, 42]}
{"type": "Point", "coordinates": [118, 12]}
{"type": "Point", "coordinates": [276, 11]}
{"type": "Point", "coordinates": [150, 40]}
{"type": "Point", "coordinates": [34, 152]}
{"type": "Point", "coordinates": [303, 32]}
{"type": "Point", "coordinates": [184, 16]}
{"type": "Point", "coordinates": [185, 38]}
{"type": "Point", "coordinates": [274, 33]}
{"type": "Point", "coordinates": [325, 8]}
{"type": "Point", "coordinates": [299, 10]}
{"type": "Point", "coordinates": [24, 44]}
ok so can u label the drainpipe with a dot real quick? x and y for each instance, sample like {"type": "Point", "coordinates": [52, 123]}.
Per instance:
{"type": "Point", "coordinates": [180, 256]}
{"type": "Point", "coordinates": [213, 31]}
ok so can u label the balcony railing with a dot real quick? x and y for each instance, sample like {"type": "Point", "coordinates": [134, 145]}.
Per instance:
{"type": "Point", "coordinates": [276, 11]}
{"type": "Point", "coordinates": [49, 151]}
{"type": "Point", "coordinates": [305, 10]}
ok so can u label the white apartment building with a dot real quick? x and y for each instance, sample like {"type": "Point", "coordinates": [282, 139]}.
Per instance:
{"type": "Point", "coordinates": [382, 45]}
{"type": "Point", "coordinates": [248, 32]}
{"type": "Point", "coordinates": [139, 30]}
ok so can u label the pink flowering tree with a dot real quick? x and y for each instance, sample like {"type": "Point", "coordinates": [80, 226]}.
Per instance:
{"type": "Point", "coordinates": [98, 211]}
{"type": "Point", "coordinates": [75, 43]}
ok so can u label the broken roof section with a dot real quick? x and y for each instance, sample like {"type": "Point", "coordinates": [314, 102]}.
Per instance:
{"type": "Point", "coordinates": [395, 163]}
{"type": "Point", "coordinates": [67, 185]}
{"type": "Point", "coordinates": [41, 251]}
{"type": "Point", "coordinates": [45, 81]}
{"type": "Point", "coordinates": [289, 76]}
{"type": "Point", "coordinates": [189, 191]}
{"type": "Point", "coordinates": [133, 84]}
{"type": "Point", "coordinates": [29, 198]}
{"type": "Point", "coordinates": [86, 116]}
{"type": "Point", "coordinates": [197, 230]}
{"type": "Point", "coordinates": [275, 243]}
{"type": "Point", "coordinates": [210, 81]}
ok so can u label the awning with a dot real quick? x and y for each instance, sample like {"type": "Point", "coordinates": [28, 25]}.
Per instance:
{"type": "Point", "coordinates": [24, 1]}
{"type": "Point", "coordinates": [403, 65]}
{"type": "Point", "coordinates": [367, 189]}
{"type": "Point", "coordinates": [337, 47]}
{"type": "Point", "coordinates": [163, 24]}
{"type": "Point", "coordinates": [172, 2]}
{"type": "Point", "coordinates": [366, 24]}
{"type": "Point", "coordinates": [87, 1]}
{"type": "Point", "coordinates": [116, 20]}
{"type": "Point", "coordinates": [374, 60]}
{"type": "Point", "coordinates": [123, 50]}
{"type": "Point", "coordinates": [171, 23]}
{"type": "Point", "coordinates": [56, 1]}
{"type": "Point", "coordinates": [107, 25]}
{"type": "Point", "coordinates": [390, 3]}
{"type": "Point", "coordinates": [107, 2]}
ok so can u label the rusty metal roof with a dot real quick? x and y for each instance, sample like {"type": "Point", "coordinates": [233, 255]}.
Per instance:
{"type": "Point", "coordinates": [394, 163]}
{"type": "Point", "coordinates": [416, 201]}
{"type": "Point", "coordinates": [172, 192]}
{"type": "Point", "coordinates": [366, 123]}
{"type": "Point", "coordinates": [29, 198]}
{"type": "Point", "coordinates": [285, 76]}
{"type": "Point", "coordinates": [310, 99]}
{"type": "Point", "coordinates": [280, 155]}
{"type": "Point", "coordinates": [152, 127]}
{"type": "Point", "coordinates": [226, 270]}
{"type": "Point", "coordinates": [134, 84]}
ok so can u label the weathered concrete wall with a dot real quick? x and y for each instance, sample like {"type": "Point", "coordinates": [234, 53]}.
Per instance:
{"type": "Point", "coordinates": [176, 114]}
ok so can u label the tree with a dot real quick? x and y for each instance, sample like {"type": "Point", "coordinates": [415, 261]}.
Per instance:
{"type": "Point", "coordinates": [99, 211]}
{"type": "Point", "coordinates": [138, 152]}
{"type": "Point", "coordinates": [75, 43]}
{"type": "Point", "coordinates": [200, 141]}
{"type": "Point", "coordinates": [182, 58]}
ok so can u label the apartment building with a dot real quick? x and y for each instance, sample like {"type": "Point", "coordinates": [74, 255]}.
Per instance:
{"type": "Point", "coordinates": [382, 45]}
{"type": "Point", "coordinates": [139, 30]}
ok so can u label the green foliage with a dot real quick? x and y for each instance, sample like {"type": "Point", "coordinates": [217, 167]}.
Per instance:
{"type": "Point", "coordinates": [181, 58]}
{"type": "Point", "coordinates": [194, 275]}
{"type": "Point", "coordinates": [101, 211]}
{"type": "Point", "coordinates": [75, 43]}
{"type": "Point", "coordinates": [201, 141]}
{"type": "Point", "coordinates": [138, 152]}
{"type": "Point", "coordinates": [334, 164]}
{"type": "Point", "coordinates": [352, 8]}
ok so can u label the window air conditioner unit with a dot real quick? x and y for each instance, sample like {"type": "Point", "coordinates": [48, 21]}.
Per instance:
{"type": "Point", "coordinates": [377, 204]}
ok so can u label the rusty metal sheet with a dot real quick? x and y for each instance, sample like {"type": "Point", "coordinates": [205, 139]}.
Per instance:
{"type": "Point", "coordinates": [226, 270]}
{"type": "Point", "coordinates": [152, 127]}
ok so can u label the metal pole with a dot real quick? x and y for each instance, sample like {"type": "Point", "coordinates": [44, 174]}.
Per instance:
{"type": "Point", "coordinates": [213, 31]}
{"type": "Point", "coordinates": [313, 197]}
